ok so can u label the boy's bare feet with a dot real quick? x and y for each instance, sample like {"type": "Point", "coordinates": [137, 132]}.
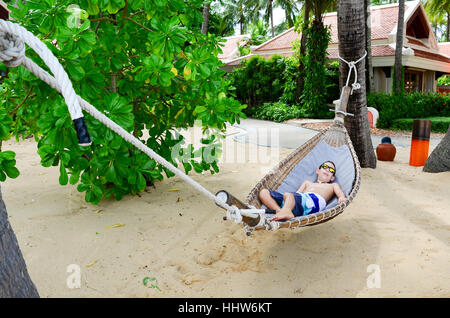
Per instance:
{"type": "Point", "coordinates": [282, 215]}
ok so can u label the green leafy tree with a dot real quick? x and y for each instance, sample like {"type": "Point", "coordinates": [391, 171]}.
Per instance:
{"type": "Point", "coordinates": [220, 23]}
{"type": "Point", "coordinates": [290, 8]}
{"type": "Point", "coordinates": [439, 13]}
{"type": "Point", "coordinates": [243, 11]}
{"type": "Point", "coordinates": [146, 65]}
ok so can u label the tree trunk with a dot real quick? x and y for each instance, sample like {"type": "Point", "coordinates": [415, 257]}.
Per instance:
{"type": "Point", "coordinates": [241, 25]}
{"type": "Point", "coordinates": [439, 160]}
{"type": "Point", "coordinates": [399, 48]}
{"type": "Point", "coordinates": [352, 40]}
{"type": "Point", "coordinates": [205, 18]}
{"type": "Point", "coordinates": [301, 66]}
{"type": "Point", "coordinates": [14, 278]}
{"type": "Point", "coordinates": [370, 85]}
{"type": "Point", "coordinates": [448, 26]}
{"type": "Point", "coordinates": [271, 17]}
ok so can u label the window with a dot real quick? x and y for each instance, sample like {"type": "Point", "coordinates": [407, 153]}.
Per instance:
{"type": "Point", "coordinates": [413, 81]}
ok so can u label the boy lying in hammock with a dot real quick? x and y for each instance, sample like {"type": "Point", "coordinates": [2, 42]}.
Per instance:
{"type": "Point", "coordinates": [311, 197]}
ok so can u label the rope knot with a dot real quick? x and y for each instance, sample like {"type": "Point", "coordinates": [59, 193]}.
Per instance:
{"type": "Point", "coordinates": [352, 68]}
{"type": "Point", "coordinates": [234, 214]}
{"type": "Point", "coordinates": [356, 86]}
{"type": "Point", "coordinates": [12, 49]}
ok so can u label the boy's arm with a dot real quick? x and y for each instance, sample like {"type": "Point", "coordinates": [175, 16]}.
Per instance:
{"type": "Point", "coordinates": [339, 193]}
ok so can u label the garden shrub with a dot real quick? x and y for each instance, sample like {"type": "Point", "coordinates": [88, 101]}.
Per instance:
{"type": "Point", "coordinates": [259, 80]}
{"type": "Point", "coordinates": [274, 81]}
{"type": "Point", "coordinates": [414, 105]}
{"type": "Point", "coordinates": [278, 112]}
{"type": "Point", "coordinates": [438, 124]}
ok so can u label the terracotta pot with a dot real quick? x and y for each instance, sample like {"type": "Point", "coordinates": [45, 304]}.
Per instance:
{"type": "Point", "coordinates": [386, 152]}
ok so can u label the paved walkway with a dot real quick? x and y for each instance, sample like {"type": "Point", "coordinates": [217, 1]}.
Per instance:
{"type": "Point", "coordinates": [271, 134]}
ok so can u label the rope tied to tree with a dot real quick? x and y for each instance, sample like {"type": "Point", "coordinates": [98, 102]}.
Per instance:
{"type": "Point", "coordinates": [352, 67]}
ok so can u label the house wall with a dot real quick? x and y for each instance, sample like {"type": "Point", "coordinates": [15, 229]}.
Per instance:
{"type": "Point", "coordinates": [429, 81]}
{"type": "Point", "coordinates": [382, 83]}
{"type": "Point", "coordinates": [379, 80]}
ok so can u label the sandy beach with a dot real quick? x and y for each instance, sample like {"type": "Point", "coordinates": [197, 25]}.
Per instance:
{"type": "Point", "coordinates": [398, 226]}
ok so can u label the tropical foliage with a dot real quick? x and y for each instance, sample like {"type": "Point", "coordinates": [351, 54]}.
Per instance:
{"type": "Point", "coordinates": [146, 65]}
{"type": "Point", "coordinates": [413, 105]}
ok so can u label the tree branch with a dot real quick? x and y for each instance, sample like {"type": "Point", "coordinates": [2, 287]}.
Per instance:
{"type": "Point", "coordinates": [137, 23]}
{"type": "Point", "coordinates": [104, 19]}
{"type": "Point", "coordinates": [21, 103]}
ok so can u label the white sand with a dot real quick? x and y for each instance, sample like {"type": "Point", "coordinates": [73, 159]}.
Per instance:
{"type": "Point", "coordinates": [399, 221]}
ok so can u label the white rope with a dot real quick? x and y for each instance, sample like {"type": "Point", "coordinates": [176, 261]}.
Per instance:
{"type": "Point", "coordinates": [13, 36]}
{"type": "Point", "coordinates": [12, 54]}
{"type": "Point", "coordinates": [352, 67]}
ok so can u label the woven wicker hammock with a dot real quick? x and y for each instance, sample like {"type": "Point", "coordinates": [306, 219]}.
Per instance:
{"type": "Point", "coordinates": [335, 136]}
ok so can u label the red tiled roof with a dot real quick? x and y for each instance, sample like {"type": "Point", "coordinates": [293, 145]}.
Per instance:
{"type": "Point", "coordinates": [383, 21]}
{"type": "Point", "coordinates": [266, 56]}
{"type": "Point", "coordinates": [431, 56]}
{"type": "Point", "coordinates": [231, 45]}
{"type": "Point", "coordinates": [384, 50]}
{"type": "Point", "coordinates": [283, 41]}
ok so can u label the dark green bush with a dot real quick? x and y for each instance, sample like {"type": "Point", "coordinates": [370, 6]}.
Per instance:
{"type": "Point", "coordinates": [438, 124]}
{"type": "Point", "coordinates": [276, 112]}
{"type": "Point", "coordinates": [414, 105]}
{"type": "Point", "coordinates": [274, 81]}
{"type": "Point", "coordinates": [259, 80]}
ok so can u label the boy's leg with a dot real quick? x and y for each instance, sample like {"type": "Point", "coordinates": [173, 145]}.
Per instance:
{"type": "Point", "coordinates": [286, 212]}
{"type": "Point", "coordinates": [268, 201]}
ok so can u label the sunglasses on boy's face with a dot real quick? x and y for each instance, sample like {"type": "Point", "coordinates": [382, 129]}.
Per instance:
{"type": "Point", "coordinates": [327, 167]}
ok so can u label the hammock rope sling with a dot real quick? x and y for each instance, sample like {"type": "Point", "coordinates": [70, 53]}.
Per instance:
{"type": "Point", "coordinates": [12, 54]}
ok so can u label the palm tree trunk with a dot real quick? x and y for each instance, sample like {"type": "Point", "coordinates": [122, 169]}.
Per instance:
{"type": "Point", "coordinates": [439, 160]}
{"type": "Point", "coordinates": [369, 69]}
{"type": "Point", "coordinates": [271, 17]}
{"type": "Point", "coordinates": [352, 43]}
{"type": "Point", "coordinates": [205, 18]}
{"type": "Point", "coordinates": [448, 26]}
{"type": "Point", "coordinates": [398, 68]}
{"type": "Point", "coordinates": [301, 66]}
{"type": "Point", "coordinates": [14, 278]}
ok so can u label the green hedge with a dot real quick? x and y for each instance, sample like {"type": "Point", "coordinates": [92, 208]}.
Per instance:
{"type": "Point", "coordinates": [276, 112]}
{"type": "Point", "coordinates": [438, 124]}
{"type": "Point", "coordinates": [259, 81]}
{"type": "Point", "coordinates": [413, 106]}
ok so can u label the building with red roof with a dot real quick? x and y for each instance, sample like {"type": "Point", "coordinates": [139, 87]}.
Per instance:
{"type": "Point", "coordinates": [423, 57]}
